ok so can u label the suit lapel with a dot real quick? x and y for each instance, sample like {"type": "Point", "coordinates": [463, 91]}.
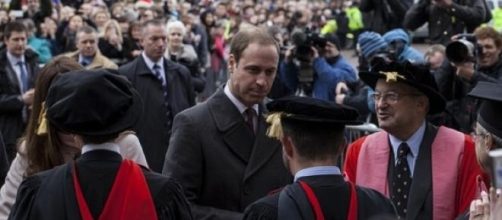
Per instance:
{"type": "Point", "coordinates": [231, 124]}
{"type": "Point", "coordinates": [11, 74]}
{"type": "Point", "coordinates": [263, 149]}
{"type": "Point", "coordinates": [422, 177]}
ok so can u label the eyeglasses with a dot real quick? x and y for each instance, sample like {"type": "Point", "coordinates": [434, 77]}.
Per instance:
{"type": "Point", "coordinates": [391, 97]}
{"type": "Point", "coordinates": [478, 136]}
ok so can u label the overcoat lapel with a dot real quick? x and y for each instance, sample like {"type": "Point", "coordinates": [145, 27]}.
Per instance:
{"type": "Point", "coordinates": [11, 75]}
{"type": "Point", "coordinates": [421, 186]}
{"type": "Point", "coordinates": [230, 122]}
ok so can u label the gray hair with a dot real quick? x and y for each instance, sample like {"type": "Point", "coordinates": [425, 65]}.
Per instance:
{"type": "Point", "coordinates": [176, 24]}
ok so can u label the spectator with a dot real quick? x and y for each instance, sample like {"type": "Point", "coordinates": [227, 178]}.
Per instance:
{"type": "Point", "coordinates": [111, 43]}
{"type": "Point", "coordinates": [166, 88]}
{"type": "Point", "coordinates": [39, 45]}
{"type": "Point", "coordinates": [435, 56]}
{"type": "Point", "coordinates": [132, 44]}
{"type": "Point", "coordinates": [88, 53]}
{"type": "Point", "coordinates": [100, 18]}
{"type": "Point", "coordinates": [445, 18]}
{"type": "Point", "coordinates": [17, 79]}
{"type": "Point", "coordinates": [400, 46]}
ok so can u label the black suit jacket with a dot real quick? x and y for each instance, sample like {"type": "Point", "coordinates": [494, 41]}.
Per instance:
{"type": "Point", "coordinates": [154, 127]}
{"type": "Point", "coordinates": [333, 194]}
{"type": "Point", "coordinates": [96, 172]}
{"type": "Point", "coordinates": [11, 106]}
{"type": "Point", "coordinates": [219, 162]}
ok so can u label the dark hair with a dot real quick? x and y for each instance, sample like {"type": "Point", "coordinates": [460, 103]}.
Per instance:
{"type": "Point", "coordinates": [13, 26]}
{"type": "Point", "coordinates": [99, 139]}
{"type": "Point", "coordinates": [44, 151]}
{"type": "Point", "coordinates": [87, 30]}
{"type": "Point", "coordinates": [312, 141]}
{"type": "Point", "coordinates": [250, 35]}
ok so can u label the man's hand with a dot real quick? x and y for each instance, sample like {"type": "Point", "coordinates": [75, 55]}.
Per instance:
{"type": "Point", "coordinates": [339, 98]}
{"type": "Point", "coordinates": [465, 70]}
{"type": "Point", "coordinates": [315, 52]}
{"type": "Point", "coordinates": [341, 88]}
{"type": "Point", "coordinates": [288, 56]}
{"type": "Point", "coordinates": [27, 97]}
{"type": "Point", "coordinates": [480, 208]}
{"type": "Point", "coordinates": [443, 3]}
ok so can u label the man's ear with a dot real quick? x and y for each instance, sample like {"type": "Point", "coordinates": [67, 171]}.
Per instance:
{"type": "Point", "coordinates": [287, 146]}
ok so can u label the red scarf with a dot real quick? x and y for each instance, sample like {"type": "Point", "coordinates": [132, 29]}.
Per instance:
{"type": "Point", "coordinates": [129, 197]}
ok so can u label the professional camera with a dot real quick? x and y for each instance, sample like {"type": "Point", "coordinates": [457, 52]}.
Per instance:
{"type": "Point", "coordinates": [303, 55]}
{"type": "Point", "coordinates": [463, 50]}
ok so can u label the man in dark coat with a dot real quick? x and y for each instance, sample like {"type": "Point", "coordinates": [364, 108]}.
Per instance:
{"type": "Point", "coordinates": [312, 135]}
{"type": "Point", "coordinates": [18, 68]}
{"type": "Point", "coordinates": [166, 89]}
{"type": "Point", "coordinates": [95, 106]}
{"type": "Point", "coordinates": [218, 150]}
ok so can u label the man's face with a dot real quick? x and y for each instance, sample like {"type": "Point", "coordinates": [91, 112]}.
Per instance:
{"type": "Point", "coordinates": [435, 60]}
{"type": "Point", "coordinates": [396, 47]}
{"type": "Point", "coordinates": [87, 44]}
{"type": "Point", "coordinates": [252, 77]}
{"type": "Point", "coordinates": [331, 50]}
{"type": "Point", "coordinates": [75, 23]}
{"type": "Point", "coordinates": [154, 41]}
{"type": "Point", "coordinates": [16, 43]}
{"type": "Point", "coordinates": [490, 53]}
{"type": "Point", "coordinates": [398, 108]}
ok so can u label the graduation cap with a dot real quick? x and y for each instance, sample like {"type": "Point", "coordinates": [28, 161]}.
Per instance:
{"type": "Point", "coordinates": [415, 75]}
{"type": "Point", "coordinates": [93, 102]}
{"type": "Point", "coordinates": [311, 111]}
{"type": "Point", "coordinates": [489, 115]}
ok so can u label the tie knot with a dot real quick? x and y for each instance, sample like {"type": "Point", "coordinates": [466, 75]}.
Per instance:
{"type": "Point", "coordinates": [250, 113]}
{"type": "Point", "coordinates": [156, 67]}
{"type": "Point", "coordinates": [20, 63]}
{"type": "Point", "coordinates": [403, 150]}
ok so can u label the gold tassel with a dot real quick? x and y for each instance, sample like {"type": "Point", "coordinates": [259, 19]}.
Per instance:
{"type": "Point", "coordinates": [275, 128]}
{"type": "Point", "coordinates": [42, 121]}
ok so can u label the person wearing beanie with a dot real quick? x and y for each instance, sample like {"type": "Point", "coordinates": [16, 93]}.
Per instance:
{"type": "Point", "coordinates": [329, 68]}
{"type": "Point", "coordinates": [429, 172]}
{"type": "Point", "coordinates": [95, 106]}
{"type": "Point", "coordinates": [371, 43]}
{"type": "Point", "coordinates": [400, 46]}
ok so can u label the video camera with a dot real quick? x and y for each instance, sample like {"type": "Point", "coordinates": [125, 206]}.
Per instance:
{"type": "Point", "coordinates": [464, 49]}
{"type": "Point", "coordinates": [303, 54]}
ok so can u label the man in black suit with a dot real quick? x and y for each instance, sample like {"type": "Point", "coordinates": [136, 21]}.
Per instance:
{"type": "Point", "coordinates": [218, 150]}
{"type": "Point", "coordinates": [95, 107]}
{"type": "Point", "coordinates": [166, 89]}
{"type": "Point", "coordinates": [312, 135]}
{"type": "Point", "coordinates": [18, 68]}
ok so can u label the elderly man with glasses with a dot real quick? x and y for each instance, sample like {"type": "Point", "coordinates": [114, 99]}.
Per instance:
{"type": "Point", "coordinates": [428, 172]}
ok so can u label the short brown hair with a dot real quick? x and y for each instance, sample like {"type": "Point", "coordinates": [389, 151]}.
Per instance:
{"type": "Point", "coordinates": [489, 32]}
{"type": "Point", "coordinates": [247, 36]}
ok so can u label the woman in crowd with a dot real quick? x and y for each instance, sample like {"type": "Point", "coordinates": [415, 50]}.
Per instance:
{"type": "Point", "coordinates": [182, 53]}
{"type": "Point", "coordinates": [44, 146]}
{"type": "Point", "coordinates": [111, 43]}
{"type": "Point", "coordinates": [132, 46]}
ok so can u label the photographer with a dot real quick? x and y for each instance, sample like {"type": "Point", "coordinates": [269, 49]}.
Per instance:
{"type": "Point", "coordinates": [488, 59]}
{"type": "Point", "coordinates": [400, 46]}
{"type": "Point", "coordinates": [328, 65]}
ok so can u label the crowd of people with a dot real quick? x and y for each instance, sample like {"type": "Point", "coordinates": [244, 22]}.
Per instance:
{"type": "Point", "coordinates": [224, 109]}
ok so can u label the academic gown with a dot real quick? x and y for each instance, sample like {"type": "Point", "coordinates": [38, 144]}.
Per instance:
{"type": "Point", "coordinates": [333, 194]}
{"type": "Point", "coordinates": [50, 194]}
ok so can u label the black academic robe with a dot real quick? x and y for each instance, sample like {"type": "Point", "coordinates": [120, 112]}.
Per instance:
{"type": "Point", "coordinates": [333, 194]}
{"type": "Point", "coordinates": [50, 194]}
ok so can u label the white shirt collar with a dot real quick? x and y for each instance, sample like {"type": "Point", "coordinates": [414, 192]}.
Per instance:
{"type": "Point", "coordinates": [413, 142]}
{"type": "Point", "coordinates": [241, 107]}
{"type": "Point", "coordinates": [318, 171]}
{"type": "Point", "coordinates": [104, 146]}
{"type": "Point", "coordinates": [13, 59]}
{"type": "Point", "coordinates": [150, 62]}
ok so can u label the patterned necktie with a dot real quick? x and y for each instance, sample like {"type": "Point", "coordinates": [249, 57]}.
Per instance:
{"type": "Point", "coordinates": [23, 77]}
{"type": "Point", "coordinates": [158, 75]}
{"type": "Point", "coordinates": [250, 115]}
{"type": "Point", "coordinates": [402, 180]}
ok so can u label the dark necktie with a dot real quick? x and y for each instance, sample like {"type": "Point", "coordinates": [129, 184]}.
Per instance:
{"type": "Point", "coordinates": [250, 115]}
{"type": "Point", "coordinates": [402, 180]}
{"type": "Point", "coordinates": [84, 63]}
{"type": "Point", "coordinates": [158, 75]}
{"type": "Point", "coordinates": [23, 77]}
